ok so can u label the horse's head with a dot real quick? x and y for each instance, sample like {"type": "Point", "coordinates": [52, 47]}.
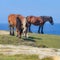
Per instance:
{"type": "Point", "coordinates": [51, 20]}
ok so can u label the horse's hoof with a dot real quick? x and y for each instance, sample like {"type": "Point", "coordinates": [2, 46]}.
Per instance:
{"type": "Point", "coordinates": [13, 35]}
{"type": "Point", "coordinates": [30, 31]}
{"type": "Point", "coordinates": [16, 35]}
{"type": "Point", "coordinates": [38, 32]}
{"type": "Point", "coordinates": [42, 32]}
{"type": "Point", "coordinates": [19, 36]}
{"type": "Point", "coordinates": [10, 34]}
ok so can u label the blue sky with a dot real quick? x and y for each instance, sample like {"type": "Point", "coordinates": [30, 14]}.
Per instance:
{"type": "Point", "coordinates": [30, 7]}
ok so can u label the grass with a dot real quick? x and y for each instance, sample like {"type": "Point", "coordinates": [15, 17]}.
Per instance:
{"type": "Point", "coordinates": [37, 40]}
{"type": "Point", "coordinates": [19, 57]}
{"type": "Point", "coordinates": [22, 57]}
{"type": "Point", "coordinates": [48, 58]}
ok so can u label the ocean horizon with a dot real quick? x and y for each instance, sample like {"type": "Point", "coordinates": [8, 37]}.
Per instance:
{"type": "Point", "coordinates": [48, 28]}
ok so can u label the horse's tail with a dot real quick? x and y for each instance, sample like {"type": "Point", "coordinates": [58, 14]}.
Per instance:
{"type": "Point", "coordinates": [18, 23]}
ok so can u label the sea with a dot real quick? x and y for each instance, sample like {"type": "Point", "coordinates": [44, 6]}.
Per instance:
{"type": "Point", "coordinates": [48, 28]}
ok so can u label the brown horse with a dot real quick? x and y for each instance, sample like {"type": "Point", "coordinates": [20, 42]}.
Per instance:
{"type": "Point", "coordinates": [39, 21]}
{"type": "Point", "coordinates": [19, 22]}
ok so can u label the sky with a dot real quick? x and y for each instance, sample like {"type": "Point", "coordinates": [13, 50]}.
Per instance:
{"type": "Point", "coordinates": [30, 7]}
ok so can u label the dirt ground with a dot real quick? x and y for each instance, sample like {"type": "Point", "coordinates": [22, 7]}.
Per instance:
{"type": "Point", "coordinates": [3, 32]}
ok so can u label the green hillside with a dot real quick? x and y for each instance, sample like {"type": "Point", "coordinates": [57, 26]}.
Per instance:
{"type": "Point", "coordinates": [37, 40]}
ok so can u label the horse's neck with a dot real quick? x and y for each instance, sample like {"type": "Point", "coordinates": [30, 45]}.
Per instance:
{"type": "Point", "coordinates": [46, 20]}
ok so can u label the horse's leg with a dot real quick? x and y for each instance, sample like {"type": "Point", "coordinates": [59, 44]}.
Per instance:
{"type": "Point", "coordinates": [26, 33]}
{"type": "Point", "coordinates": [30, 28]}
{"type": "Point", "coordinates": [13, 31]}
{"type": "Point", "coordinates": [10, 27]}
{"type": "Point", "coordinates": [39, 29]}
{"type": "Point", "coordinates": [42, 30]}
{"type": "Point", "coordinates": [10, 30]}
{"type": "Point", "coordinates": [18, 33]}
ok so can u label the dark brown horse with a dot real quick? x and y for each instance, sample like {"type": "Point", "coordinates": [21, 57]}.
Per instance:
{"type": "Point", "coordinates": [19, 22]}
{"type": "Point", "coordinates": [39, 21]}
{"type": "Point", "coordinates": [45, 19]}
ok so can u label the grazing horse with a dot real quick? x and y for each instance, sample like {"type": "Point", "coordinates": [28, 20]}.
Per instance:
{"type": "Point", "coordinates": [45, 19]}
{"type": "Point", "coordinates": [34, 20]}
{"type": "Point", "coordinates": [39, 21]}
{"type": "Point", "coordinates": [21, 26]}
{"type": "Point", "coordinates": [19, 22]}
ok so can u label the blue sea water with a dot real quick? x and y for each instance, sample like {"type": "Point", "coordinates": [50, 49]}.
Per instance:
{"type": "Point", "coordinates": [48, 28]}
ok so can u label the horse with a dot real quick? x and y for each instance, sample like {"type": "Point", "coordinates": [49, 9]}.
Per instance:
{"type": "Point", "coordinates": [45, 19]}
{"type": "Point", "coordinates": [34, 20]}
{"type": "Point", "coordinates": [21, 26]}
{"type": "Point", "coordinates": [39, 21]}
{"type": "Point", "coordinates": [18, 21]}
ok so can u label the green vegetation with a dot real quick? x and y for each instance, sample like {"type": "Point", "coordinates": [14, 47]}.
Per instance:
{"type": "Point", "coordinates": [21, 57]}
{"type": "Point", "coordinates": [37, 40]}
{"type": "Point", "coordinates": [49, 58]}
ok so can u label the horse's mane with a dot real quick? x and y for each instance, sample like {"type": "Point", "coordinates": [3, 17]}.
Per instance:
{"type": "Point", "coordinates": [45, 16]}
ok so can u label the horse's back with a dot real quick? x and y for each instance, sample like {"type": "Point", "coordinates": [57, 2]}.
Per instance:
{"type": "Point", "coordinates": [34, 20]}
{"type": "Point", "coordinates": [31, 19]}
